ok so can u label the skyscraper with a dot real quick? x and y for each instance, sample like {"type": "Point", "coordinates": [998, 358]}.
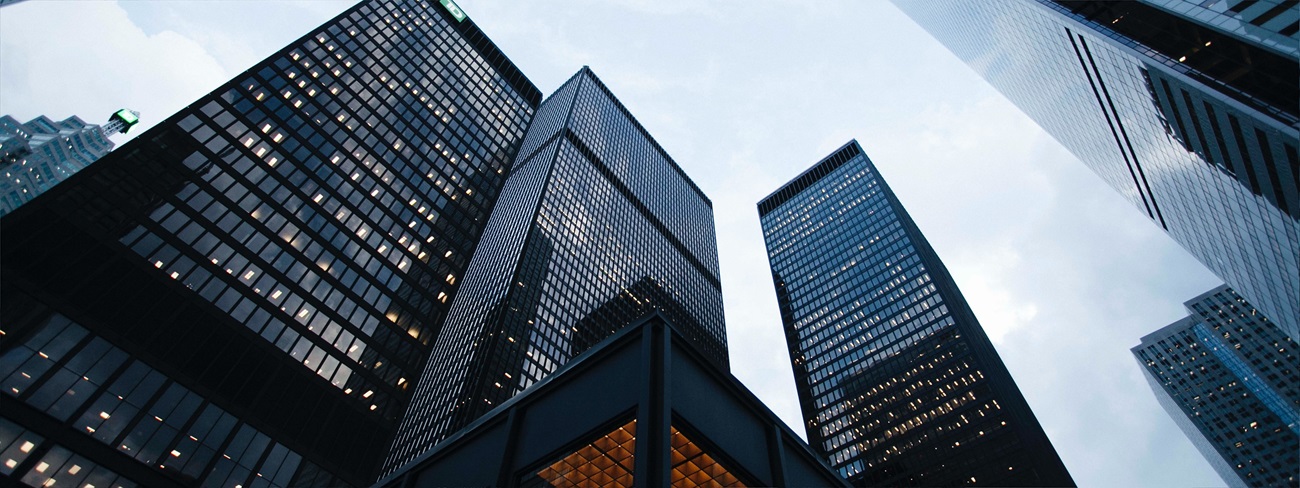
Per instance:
{"type": "Point", "coordinates": [39, 154]}
{"type": "Point", "coordinates": [1190, 110]}
{"type": "Point", "coordinates": [898, 383]}
{"type": "Point", "coordinates": [1228, 377]}
{"type": "Point", "coordinates": [244, 294]}
{"type": "Point", "coordinates": [596, 226]}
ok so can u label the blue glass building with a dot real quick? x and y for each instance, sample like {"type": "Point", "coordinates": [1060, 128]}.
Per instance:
{"type": "Point", "coordinates": [1190, 110]}
{"type": "Point", "coordinates": [1230, 379]}
{"type": "Point", "coordinates": [898, 383]}
{"type": "Point", "coordinates": [596, 226]}
{"type": "Point", "coordinates": [245, 294]}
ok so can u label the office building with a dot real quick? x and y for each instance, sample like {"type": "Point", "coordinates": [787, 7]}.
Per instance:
{"type": "Point", "coordinates": [1228, 377]}
{"type": "Point", "coordinates": [41, 153]}
{"type": "Point", "coordinates": [595, 227]}
{"type": "Point", "coordinates": [246, 293]}
{"type": "Point", "coordinates": [1270, 24]}
{"type": "Point", "coordinates": [644, 407]}
{"type": "Point", "coordinates": [898, 383]}
{"type": "Point", "coordinates": [1190, 110]}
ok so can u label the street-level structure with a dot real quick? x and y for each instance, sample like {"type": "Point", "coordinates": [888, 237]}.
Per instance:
{"type": "Point", "coordinates": [643, 407]}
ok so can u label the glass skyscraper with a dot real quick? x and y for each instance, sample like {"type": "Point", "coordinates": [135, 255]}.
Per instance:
{"type": "Point", "coordinates": [1230, 379]}
{"type": "Point", "coordinates": [1270, 24]}
{"type": "Point", "coordinates": [39, 154]}
{"type": "Point", "coordinates": [596, 227]}
{"type": "Point", "coordinates": [898, 383]}
{"type": "Point", "coordinates": [246, 294]}
{"type": "Point", "coordinates": [1191, 110]}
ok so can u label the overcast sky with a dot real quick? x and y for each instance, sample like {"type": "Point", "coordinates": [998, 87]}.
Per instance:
{"type": "Point", "coordinates": [1063, 274]}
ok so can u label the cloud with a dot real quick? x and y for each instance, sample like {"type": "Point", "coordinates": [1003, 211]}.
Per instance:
{"type": "Point", "coordinates": [664, 7]}
{"type": "Point", "coordinates": [113, 64]}
{"type": "Point", "coordinates": [225, 30]}
{"type": "Point", "coordinates": [1000, 311]}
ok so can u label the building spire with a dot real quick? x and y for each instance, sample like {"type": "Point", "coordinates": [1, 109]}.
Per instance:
{"type": "Point", "coordinates": [120, 122]}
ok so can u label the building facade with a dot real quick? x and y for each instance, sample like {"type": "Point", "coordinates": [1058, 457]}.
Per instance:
{"type": "Point", "coordinates": [1269, 24]}
{"type": "Point", "coordinates": [1190, 110]}
{"type": "Point", "coordinates": [596, 226]}
{"type": "Point", "coordinates": [1228, 377]}
{"type": "Point", "coordinates": [898, 383]}
{"type": "Point", "coordinates": [39, 154]}
{"type": "Point", "coordinates": [246, 293]}
{"type": "Point", "coordinates": [642, 407]}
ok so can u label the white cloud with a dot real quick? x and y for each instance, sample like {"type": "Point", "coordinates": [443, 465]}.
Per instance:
{"type": "Point", "coordinates": [661, 7]}
{"type": "Point", "coordinates": [225, 29]}
{"type": "Point", "coordinates": [999, 309]}
{"type": "Point", "coordinates": [88, 59]}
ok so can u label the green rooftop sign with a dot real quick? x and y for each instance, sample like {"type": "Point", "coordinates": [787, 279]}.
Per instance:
{"type": "Point", "coordinates": [127, 117]}
{"type": "Point", "coordinates": [454, 10]}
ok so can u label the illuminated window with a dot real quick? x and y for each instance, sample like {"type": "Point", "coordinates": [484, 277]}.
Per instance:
{"type": "Point", "coordinates": [693, 467]}
{"type": "Point", "coordinates": [609, 461]}
{"type": "Point", "coordinates": [606, 462]}
{"type": "Point", "coordinates": [16, 444]}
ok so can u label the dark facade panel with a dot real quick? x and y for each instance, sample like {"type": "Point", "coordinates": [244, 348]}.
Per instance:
{"type": "Point", "coordinates": [485, 453]}
{"type": "Point", "coordinates": [729, 421]}
{"type": "Point", "coordinates": [285, 249]}
{"type": "Point", "coordinates": [540, 438]}
{"type": "Point", "coordinates": [897, 381]}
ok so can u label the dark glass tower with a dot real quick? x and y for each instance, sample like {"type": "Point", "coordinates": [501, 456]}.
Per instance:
{"type": "Point", "coordinates": [1230, 379]}
{"type": "Point", "coordinates": [898, 383]}
{"type": "Point", "coordinates": [244, 294]}
{"type": "Point", "coordinates": [596, 226]}
{"type": "Point", "coordinates": [1190, 110]}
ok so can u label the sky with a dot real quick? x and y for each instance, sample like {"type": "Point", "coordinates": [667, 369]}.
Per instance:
{"type": "Point", "coordinates": [1064, 275]}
